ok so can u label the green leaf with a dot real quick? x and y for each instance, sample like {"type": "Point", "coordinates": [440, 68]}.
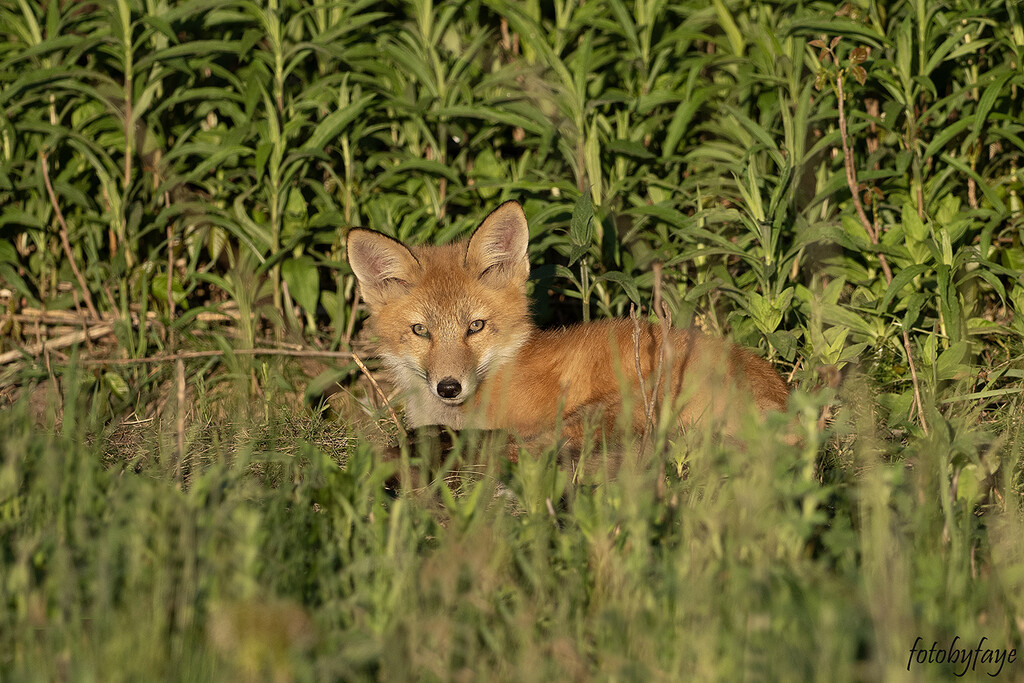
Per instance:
{"type": "Point", "coordinates": [303, 281]}
{"type": "Point", "coordinates": [117, 385]}
{"type": "Point", "coordinates": [10, 277]}
{"type": "Point", "coordinates": [914, 303]}
{"type": "Point", "coordinates": [626, 282]}
{"type": "Point", "coordinates": [852, 352]}
{"type": "Point", "coordinates": [680, 122]}
{"type": "Point", "coordinates": [948, 364]}
{"type": "Point", "coordinates": [949, 303]}
{"type": "Point", "coordinates": [158, 288]}
{"type": "Point", "coordinates": [840, 315]}
{"type": "Point", "coordinates": [577, 252]}
{"type": "Point", "coordinates": [414, 167]}
{"type": "Point", "coordinates": [899, 281]}
{"type": "Point", "coordinates": [581, 231]}
{"type": "Point", "coordinates": [988, 276]}
{"type": "Point", "coordinates": [988, 99]}
{"type": "Point", "coordinates": [912, 223]}
{"type": "Point", "coordinates": [7, 252]}
{"type": "Point", "coordinates": [732, 30]}
{"type": "Point", "coordinates": [331, 126]}
{"type": "Point", "coordinates": [968, 485]}
{"type": "Point", "coordinates": [946, 134]}
{"type": "Point", "coordinates": [562, 271]}
{"type": "Point", "coordinates": [784, 342]}
{"type": "Point", "coordinates": [488, 173]}
{"type": "Point", "coordinates": [629, 148]}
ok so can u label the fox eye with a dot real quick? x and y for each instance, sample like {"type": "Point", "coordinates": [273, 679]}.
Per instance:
{"type": "Point", "coordinates": [476, 326]}
{"type": "Point", "coordinates": [420, 330]}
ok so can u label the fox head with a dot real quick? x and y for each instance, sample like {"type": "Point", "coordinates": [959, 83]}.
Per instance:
{"type": "Point", "coordinates": [447, 316]}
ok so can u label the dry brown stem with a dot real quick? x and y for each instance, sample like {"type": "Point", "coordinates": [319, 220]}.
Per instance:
{"type": "Point", "coordinates": [851, 181]}
{"type": "Point", "coordinates": [104, 329]}
{"type": "Point", "coordinates": [44, 346]}
{"type": "Point", "coordinates": [179, 372]}
{"type": "Point", "coordinates": [637, 364]}
{"type": "Point", "coordinates": [664, 358]}
{"type": "Point", "coordinates": [64, 239]}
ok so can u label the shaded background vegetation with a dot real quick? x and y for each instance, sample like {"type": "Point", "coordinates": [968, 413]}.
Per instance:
{"type": "Point", "coordinates": [184, 172]}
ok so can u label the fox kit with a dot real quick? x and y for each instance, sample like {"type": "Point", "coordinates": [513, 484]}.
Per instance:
{"type": "Point", "coordinates": [454, 330]}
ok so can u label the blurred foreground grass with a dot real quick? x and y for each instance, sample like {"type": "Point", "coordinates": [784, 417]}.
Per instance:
{"type": "Point", "coordinates": [274, 551]}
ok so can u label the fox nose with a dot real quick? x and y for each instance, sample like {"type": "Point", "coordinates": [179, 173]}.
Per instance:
{"type": "Point", "coordinates": [449, 387]}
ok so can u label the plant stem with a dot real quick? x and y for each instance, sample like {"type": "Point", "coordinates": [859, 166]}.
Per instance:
{"type": "Point", "coordinates": [851, 181]}
{"type": "Point", "coordinates": [65, 242]}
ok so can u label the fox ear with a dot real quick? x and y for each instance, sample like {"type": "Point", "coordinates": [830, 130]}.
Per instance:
{"type": "Point", "coordinates": [382, 265]}
{"type": "Point", "coordinates": [497, 249]}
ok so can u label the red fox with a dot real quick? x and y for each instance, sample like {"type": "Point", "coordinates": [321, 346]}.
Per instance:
{"type": "Point", "coordinates": [454, 330]}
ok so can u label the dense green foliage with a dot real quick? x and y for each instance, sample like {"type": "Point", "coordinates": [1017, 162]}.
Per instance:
{"type": "Point", "coordinates": [205, 157]}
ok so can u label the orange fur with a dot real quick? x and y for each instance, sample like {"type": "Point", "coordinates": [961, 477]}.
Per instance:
{"type": "Point", "coordinates": [426, 302]}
